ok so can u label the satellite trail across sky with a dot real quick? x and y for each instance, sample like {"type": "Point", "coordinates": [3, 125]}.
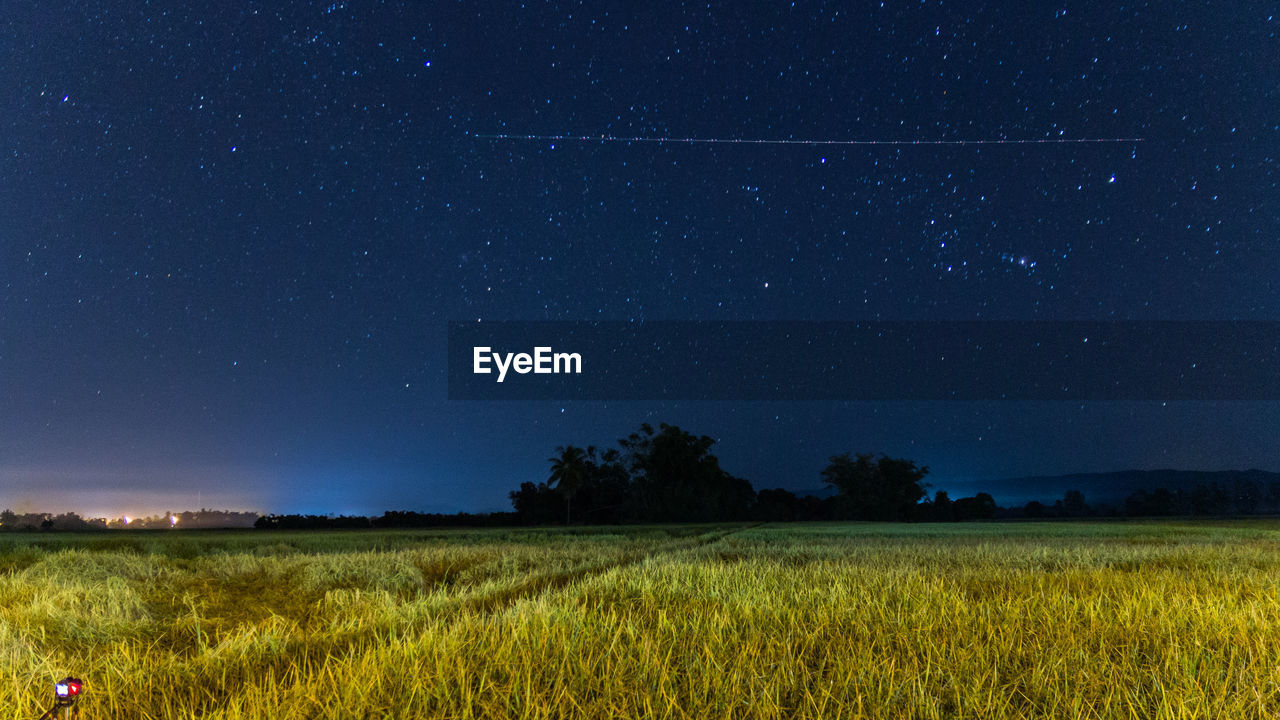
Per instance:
{"type": "Point", "coordinates": [755, 141]}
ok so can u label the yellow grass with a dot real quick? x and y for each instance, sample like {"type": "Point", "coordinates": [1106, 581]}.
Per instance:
{"type": "Point", "coordinates": [1069, 620]}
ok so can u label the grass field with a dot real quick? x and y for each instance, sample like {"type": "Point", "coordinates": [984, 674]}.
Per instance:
{"type": "Point", "coordinates": [1061, 620]}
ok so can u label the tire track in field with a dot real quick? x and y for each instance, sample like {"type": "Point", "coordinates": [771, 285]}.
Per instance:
{"type": "Point", "coordinates": [506, 597]}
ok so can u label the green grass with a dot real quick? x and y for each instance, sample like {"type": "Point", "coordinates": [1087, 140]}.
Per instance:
{"type": "Point", "coordinates": [1060, 620]}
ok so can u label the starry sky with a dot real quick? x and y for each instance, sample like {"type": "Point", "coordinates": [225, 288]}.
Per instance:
{"type": "Point", "coordinates": [232, 235]}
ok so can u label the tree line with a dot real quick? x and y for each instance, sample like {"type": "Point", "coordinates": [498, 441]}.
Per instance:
{"type": "Point", "coordinates": [69, 521]}
{"type": "Point", "coordinates": [668, 475]}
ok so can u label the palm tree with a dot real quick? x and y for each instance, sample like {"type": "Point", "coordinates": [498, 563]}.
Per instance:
{"type": "Point", "coordinates": [568, 474]}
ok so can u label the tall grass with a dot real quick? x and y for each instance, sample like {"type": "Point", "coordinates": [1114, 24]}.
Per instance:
{"type": "Point", "coordinates": [1067, 620]}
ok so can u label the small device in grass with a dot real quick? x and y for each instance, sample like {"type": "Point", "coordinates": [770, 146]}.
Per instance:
{"type": "Point", "coordinates": [65, 693]}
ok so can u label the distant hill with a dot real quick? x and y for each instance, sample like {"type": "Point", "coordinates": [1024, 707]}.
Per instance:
{"type": "Point", "coordinates": [1112, 487]}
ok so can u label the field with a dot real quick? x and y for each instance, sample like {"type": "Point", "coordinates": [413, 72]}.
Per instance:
{"type": "Point", "coordinates": [1059, 620]}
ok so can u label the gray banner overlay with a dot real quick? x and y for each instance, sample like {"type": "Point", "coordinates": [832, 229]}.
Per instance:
{"type": "Point", "coordinates": [977, 360]}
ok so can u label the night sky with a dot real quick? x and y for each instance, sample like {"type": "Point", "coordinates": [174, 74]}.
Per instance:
{"type": "Point", "coordinates": [232, 234]}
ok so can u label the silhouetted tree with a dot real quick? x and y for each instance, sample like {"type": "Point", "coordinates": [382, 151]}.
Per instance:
{"type": "Point", "coordinates": [777, 505]}
{"type": "Point", "coordinates": [884, 489]}
{"type": "Point", "coordinates": [941, 509]}
{"type": "Point", "coordinates": [535, 504]}
{"type": "Point", "coordinates": [568, 474]}
{"type": "Point", "coordinates": [605, 495]}
{"type": "Point", "coordinates": [72, 521]}
{"type": "Point", "coordinates": [204, 518]}
{"type": "Point", "coordinates": [1271, 497]}
{"type": "Point", "coordinates": [1160, 501]}
{"type": "Point", "coordinates": [1073, 504]}
{"type": "Point", "coordinates": [979, 507]}
{"type": "Point", "coordinates": [677, 479]}
{"type": "Point", "coordinates": [812, 507]}
{"type": "Point", "coordinates": [1247, 496]}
